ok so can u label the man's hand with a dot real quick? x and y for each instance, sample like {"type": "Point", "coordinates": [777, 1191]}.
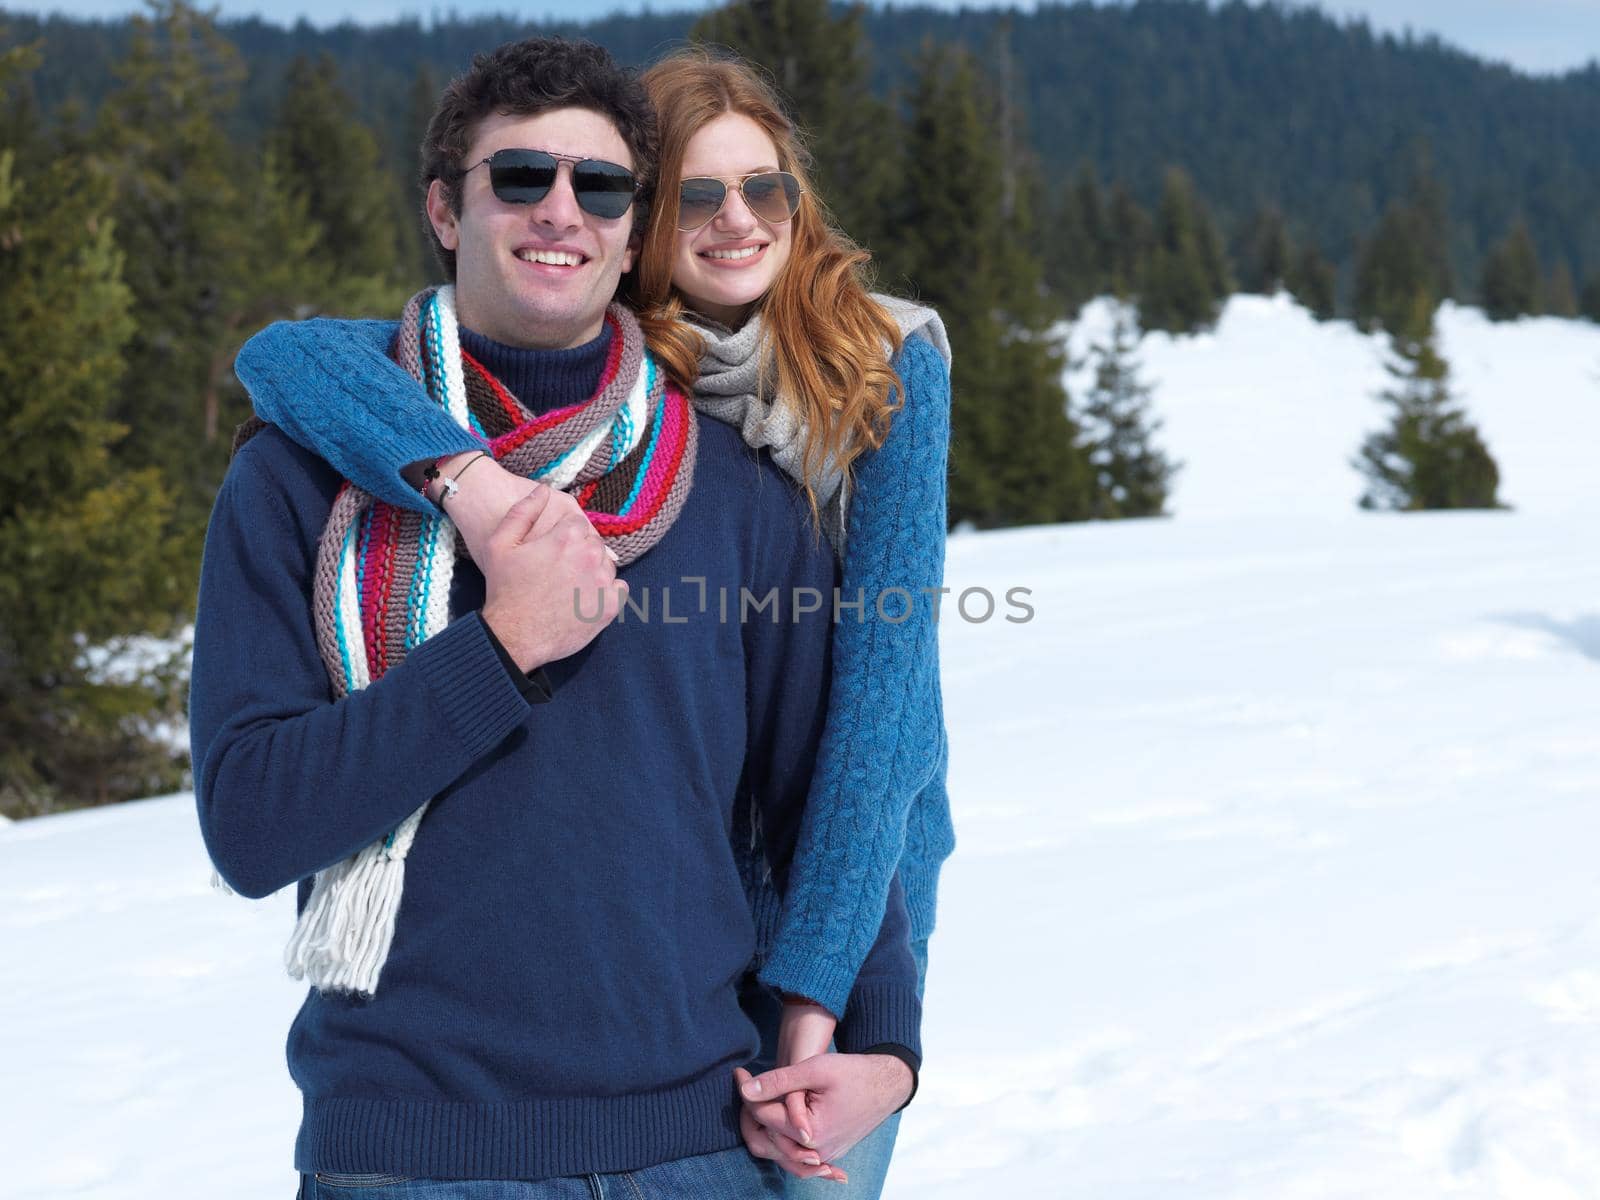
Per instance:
{"type": "Point", "coordinates": [847, 1096]}
{"type": "Point", "coordinates": [551, 581]}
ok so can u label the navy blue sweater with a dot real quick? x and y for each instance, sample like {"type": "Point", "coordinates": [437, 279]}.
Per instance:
{"type": "Point", "coordinates": [878, 804]}
{"type": "Point", "coordinates": [561, 995]}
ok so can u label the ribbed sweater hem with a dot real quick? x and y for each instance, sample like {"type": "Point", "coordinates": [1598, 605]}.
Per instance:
{"type": "Point", "coordinates": [519, 1139]}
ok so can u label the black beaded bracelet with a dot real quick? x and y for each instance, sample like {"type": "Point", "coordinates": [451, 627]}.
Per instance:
{"type": "Point", "coordinates": [429, 474]}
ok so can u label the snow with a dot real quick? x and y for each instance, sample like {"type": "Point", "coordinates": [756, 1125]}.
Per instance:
{"type": "Point", "coordinates": [135, 659]}
{"type": "Point", "coordinates": [1268, 409]}
{"type": "Point", "coordinates": [147, 660]}
{"type": "Point", "coordinates": [1276, 880]}
{"type": "Point", "coordinates": [1275, 871]}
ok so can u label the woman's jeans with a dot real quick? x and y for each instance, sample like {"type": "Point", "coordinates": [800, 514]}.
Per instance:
{"type": "Point", "coordinates": [867, 1162]}
{"type": "Point", "coordinates": [725, 1175]}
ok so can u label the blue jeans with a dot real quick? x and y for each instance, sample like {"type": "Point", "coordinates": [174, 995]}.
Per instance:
{"type": "Point", "coordinates": [724, 1175]}
{"type": "Point", "coordinates": [867, 1162]}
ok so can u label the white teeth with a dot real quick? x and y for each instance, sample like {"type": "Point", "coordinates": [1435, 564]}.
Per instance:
{"type": "Point", "coordinates": [744, 253]}
{"type": "Point", "coordinates": [555, 258]}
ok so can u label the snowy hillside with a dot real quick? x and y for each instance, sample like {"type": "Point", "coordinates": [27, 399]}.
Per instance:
{"type": "Point", "coordinates": [1268, 409]}
{"type": "Point", "coordinates": [1277, 838]}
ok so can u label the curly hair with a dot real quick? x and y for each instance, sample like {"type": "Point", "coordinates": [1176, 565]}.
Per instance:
{"type": "Point", "coordinates": [524, 79]}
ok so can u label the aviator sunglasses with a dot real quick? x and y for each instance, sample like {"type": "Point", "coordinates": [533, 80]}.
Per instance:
{"type": "Point", "coordinates": [774, 196]}
{"type": "Point", "coordinates": [603, 189]}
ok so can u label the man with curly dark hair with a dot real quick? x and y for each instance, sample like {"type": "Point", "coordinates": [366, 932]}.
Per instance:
{"type": "Point", "coordinates": [507, 813]}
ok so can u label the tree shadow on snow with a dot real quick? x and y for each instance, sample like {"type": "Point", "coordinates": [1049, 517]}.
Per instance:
{"type": "Point", "coordinates": [1582, 632]}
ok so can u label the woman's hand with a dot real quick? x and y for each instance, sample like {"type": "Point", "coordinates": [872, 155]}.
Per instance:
{"type": "Point", "coordinates": [846, 1097]}
{"type": "Point", "coordinates": [483, 497]}
{"type": "Point", "coordinates": [804, 1031]}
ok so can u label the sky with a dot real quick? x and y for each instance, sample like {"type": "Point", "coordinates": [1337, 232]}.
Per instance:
{"type": "Point", "coordinates": [1541, 36]}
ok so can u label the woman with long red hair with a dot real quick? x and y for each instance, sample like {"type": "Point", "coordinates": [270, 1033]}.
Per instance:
{"type": "Point", "coordinates": [752, 299]}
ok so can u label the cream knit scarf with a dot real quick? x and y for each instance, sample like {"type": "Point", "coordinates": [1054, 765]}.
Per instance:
{"type": "Point", "coordinates": [732, 390]}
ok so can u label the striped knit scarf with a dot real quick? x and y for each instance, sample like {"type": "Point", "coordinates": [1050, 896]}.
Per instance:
{"type": "Point", "coordinates": [382, 584]}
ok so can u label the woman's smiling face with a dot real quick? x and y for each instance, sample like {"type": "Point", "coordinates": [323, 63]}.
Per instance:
{"type": "Point", "coordinates": [723, 268]}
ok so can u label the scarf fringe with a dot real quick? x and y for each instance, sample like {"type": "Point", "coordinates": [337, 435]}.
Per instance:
{"type": "Point", "coordinates": [343, 936]}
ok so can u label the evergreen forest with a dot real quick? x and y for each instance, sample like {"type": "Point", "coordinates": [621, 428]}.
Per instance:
{"type": "Point", "coordinates": [170, 183]}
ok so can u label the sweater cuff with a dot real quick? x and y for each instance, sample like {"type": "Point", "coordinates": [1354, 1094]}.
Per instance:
{"type": "Point", "coordinates": [912, 1061]}
{"type": "Point", "coordinates": [534, 686]}
{"type": "Point", "coordinates": [465, 677]}
{"type": "Point", "coordinates": [824, 980]}
{"type": "Point", "coordinates": [880, 1013]}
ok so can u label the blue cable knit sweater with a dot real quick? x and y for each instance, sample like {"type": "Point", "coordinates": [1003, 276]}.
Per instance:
{"type": "Point", "coordinates": [562, 993]}
{"type": "Point", "coordinates": [878, 800]}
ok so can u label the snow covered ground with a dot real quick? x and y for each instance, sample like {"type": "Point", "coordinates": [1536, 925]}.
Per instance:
{"type": "Point", "coordinates": [1277, 825]}
{"type": "Point", "coordinates": [1268, 409]}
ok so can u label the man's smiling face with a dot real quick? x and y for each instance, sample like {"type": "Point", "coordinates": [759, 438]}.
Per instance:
{"type": "Point", "coordinates": [503, 290]}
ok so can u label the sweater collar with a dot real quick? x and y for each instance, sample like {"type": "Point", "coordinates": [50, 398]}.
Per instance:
{"type": "Point", "coordinates": [543, 380]}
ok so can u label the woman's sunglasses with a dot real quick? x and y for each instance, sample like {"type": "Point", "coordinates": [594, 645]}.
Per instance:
{"type": "Point", "coordinates": [603, 189]}
{"type": "Point", "coordinates": [774, 196]}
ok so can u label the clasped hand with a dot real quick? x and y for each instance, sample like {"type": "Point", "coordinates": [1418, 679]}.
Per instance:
{"type": "Point", "coordinates": [815, 1104]}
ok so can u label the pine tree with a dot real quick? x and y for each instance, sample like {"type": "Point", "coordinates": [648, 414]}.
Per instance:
{"type": "Point", "coordinates": [1314, 282]}
{"type": "Point", "coordinates": [1430, 456]}
{"type": "Point", "coordinates": [1130, 242]}
{"type": "Point", "coordinates": [1050, 483]}
{"type": "Point", "coordinates": [1390, 271]}
{"type": "Point", "coordinates": [1431, 205]}
{"type": "Point", "coordinates": [955, 262]}
{"type": "Point", "coordinates": [1213, 251]}
{"type": "Point", "coordinates": [1002, 64]}
{"type": "Point", "coordinates": [1560, 296]}
{"type": "Point", "coordinates": [1405, 255]}
{"type": "Point", "coordinates": [416, 235]}
{"type": "Point", "coordinates": [211, 255]}
{"type": "Point", "coordinates": [87, 556]}
{"type": "Point", "coordinates": [290, 274]}
{"type": "Point", "coordinates": [1511, 276]}
{"type": "Point", "coordinates": [1589, 298]}
{"type": "Point", "coordinates": [1014, 451]}
{"type": "Point", "coordinates": [329, 161]}
{"type": "Point", "coordinates": [818, 59]}
{"type": "Point", "coordinates": [1267, 258]}
{"type": "Point", "coordinates": [1185, 277]}
{"type": "Point", "coordinates": [1132, 477]}
{"type": "Point", "coordinates": [1078, 248]}
{"type": "Point", "coordinates": [20, 119]}
{"type": "Point", "coordinates": [186, 248]}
